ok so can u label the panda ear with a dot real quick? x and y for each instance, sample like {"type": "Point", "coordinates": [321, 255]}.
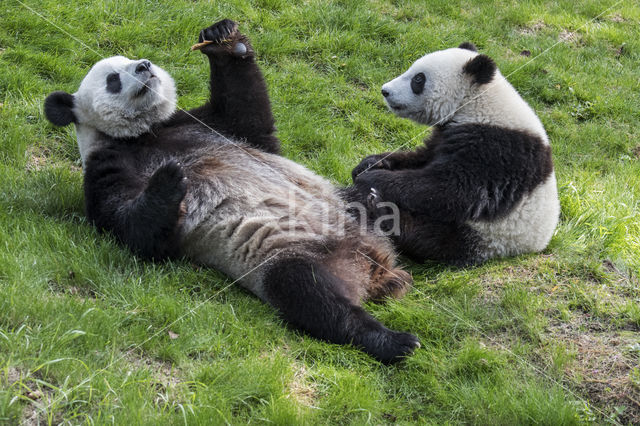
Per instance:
{"type": "Point", "coordinates": [481, 69]}
{"type": "Point", "coordinates": [469, 46]}
{"type": "Point", "coordinates": [58, 108]}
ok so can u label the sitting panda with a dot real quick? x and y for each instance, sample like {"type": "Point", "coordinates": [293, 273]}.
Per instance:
{"type": "Point", "coordinates": [209, 184]}
{"type": "Point", "coordinates": [484, 185]}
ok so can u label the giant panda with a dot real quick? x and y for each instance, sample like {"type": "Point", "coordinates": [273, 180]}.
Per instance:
{"type": "Point", "coordinates": [483, 186]}
{"type": "Point", "coordinates": [209, 185]}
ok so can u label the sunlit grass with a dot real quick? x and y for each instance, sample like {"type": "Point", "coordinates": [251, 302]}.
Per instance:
{"type": "Point", "coordinates": [84, 325]}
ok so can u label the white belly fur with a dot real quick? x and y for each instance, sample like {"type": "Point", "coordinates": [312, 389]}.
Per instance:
{"type": "Point", "coordinates": [528, 228]}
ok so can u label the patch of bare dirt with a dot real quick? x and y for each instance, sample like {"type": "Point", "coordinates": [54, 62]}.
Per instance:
{"type": "Point", "coordinates": [532, 29]}
{"type": "Point", "coordinates": [616, 17]}
{"type": "Point", "coordinates": [566, 36]}
{"type": "Point", "coordinates": [164, 374]}
{"type": "Point", "coordinates": [69, 288]}
{"type": "Point", "coordinates": [38, 398]}
{"type": "Point", "coordinates": [605, 365]}
{"type": "Point", "coordinates": [35, 413]}
{"type": "Point", "coordinates": [300, 388]}
{"type": "Point", "coordinates": [11, 376]}
{"type": "Point", "coordinates": [636, 152]}
{"type": "Point", "coordinates": [40, 157]}
{"type": "Point", "coordinates": [36, 162]}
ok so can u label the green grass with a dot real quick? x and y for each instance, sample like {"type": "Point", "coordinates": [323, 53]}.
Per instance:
{"type": "Point", "coordinates": [549, 338]}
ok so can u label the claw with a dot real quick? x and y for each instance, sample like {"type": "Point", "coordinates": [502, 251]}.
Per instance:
{"type": "Point", "coordinates": [373, 198]}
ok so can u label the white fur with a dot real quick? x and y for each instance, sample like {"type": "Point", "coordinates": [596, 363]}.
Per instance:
{"type": "Point", "coordinates": [497, 103]}
{"type": "Point", "coordinates": [122, 114]}
{"type": "Point", "coordinates": [528, 228]}
{"type": "Point", "coordinates": [451, 96]}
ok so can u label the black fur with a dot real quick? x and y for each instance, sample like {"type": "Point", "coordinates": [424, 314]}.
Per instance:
{"type": "Point", "coordinates": [114, 85]}
{"type": "Point", "coordinates": [58, 108]}
{"type": "Point", "coordinates": [465, 172]}
{"type": "Point", "coordinates": [469, 46]}
{"type": "Point", "coordinates": [481, 69]}
{"type": "Point", "coordinates": [309, 297]}
{"type": "Point", "coordinates": [417, 83]}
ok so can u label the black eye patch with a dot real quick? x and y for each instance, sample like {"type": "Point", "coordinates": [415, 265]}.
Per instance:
{"type": "Point", "coordinates": [417, 83]}
{"type": "Point", "coordinates": [114, 85]}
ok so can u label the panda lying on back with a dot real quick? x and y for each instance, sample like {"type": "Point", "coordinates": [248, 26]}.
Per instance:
{"type": "Point", "coordinates": [483, 186]}
{"type": "Point", "coordinates": [166, 185]}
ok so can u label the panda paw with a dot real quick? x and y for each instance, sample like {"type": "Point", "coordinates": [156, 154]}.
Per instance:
{"type": "Point", "coordinates": [223, 37]}
{"type": "Point", "coordinates": [373, 199]}
{"type": "Point", "coordinates": [218, 32]}
{"type": "Point", "coordinates": [371, 162]}
{"type": "Point", "coordinates": [390, 346]}
{"type": "Point", "coordinates": [168, 183]}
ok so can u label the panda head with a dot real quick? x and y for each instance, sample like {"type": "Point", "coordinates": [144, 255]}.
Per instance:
{"type": "Point", "coordinates": [437, 85]}
{"type": "Point", "coordinates": [119, 97]}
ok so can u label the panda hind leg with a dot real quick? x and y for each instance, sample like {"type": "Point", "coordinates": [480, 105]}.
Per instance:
{"type": "Point", "coordinates": [311, 298]}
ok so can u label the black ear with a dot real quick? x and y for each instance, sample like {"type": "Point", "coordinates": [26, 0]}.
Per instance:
{"type": "Point", "coordinates": [469, 46]}
{"type": "Point", "coordinates": [58, 108]}
{"type": "Point", "coordinates": [481, 69]}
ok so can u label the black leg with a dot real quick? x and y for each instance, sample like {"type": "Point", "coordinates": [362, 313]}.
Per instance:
{"type": "Point", "coordinates": [239, 105]}
{"type": "Point", "coordinates": [311, 298]}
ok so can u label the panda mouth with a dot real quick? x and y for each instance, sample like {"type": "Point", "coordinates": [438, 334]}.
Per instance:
{"type": "Point", "coordinates": [396, 107]}
{"type": "Point", "coordinates": [146, 86]}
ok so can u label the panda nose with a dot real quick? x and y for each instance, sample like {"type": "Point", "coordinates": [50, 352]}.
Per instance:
{"type": "Point", "coordinates": [385, 93]}
{"type": "Point", "coordinates": [143, 66]}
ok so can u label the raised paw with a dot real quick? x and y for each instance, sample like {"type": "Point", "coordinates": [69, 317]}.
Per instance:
{"type": "Point", "coordinates": [223, 38]}
{"type": "Point", "coordinates": [218, 32]}
{"type": "Point", "coordinates": [389, 346]}
{"type": "Point", "coordinates": [377, 161]}
{"type": "Point", "coordinates": [168, 182]}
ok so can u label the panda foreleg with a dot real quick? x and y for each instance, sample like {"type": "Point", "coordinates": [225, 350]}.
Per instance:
{"type": "Point", "coordinates": [443, 193]}
{"type": "Point", "coordinates": [147, 221]}
{"type": "Point", "coordinates": [392, 161]}
{"type": "Point", "coordinates": [157, 213]}
{"type": "Point", "coordinates": [309, 297]}
{"type": "Point", "coordinates": [239, 103]}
